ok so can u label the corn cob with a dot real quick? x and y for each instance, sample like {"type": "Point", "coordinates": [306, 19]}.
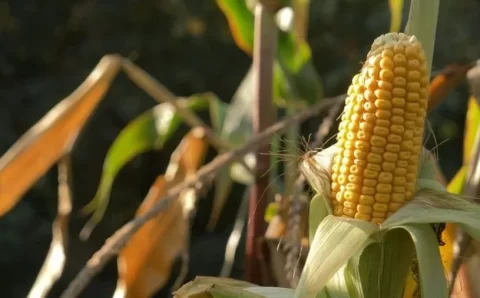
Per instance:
{"type": "Point", "coordinates": [381, 130]}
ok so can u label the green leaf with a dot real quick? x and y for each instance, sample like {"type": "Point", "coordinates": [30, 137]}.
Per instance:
{"type": "Point", "coordinates": [366, 268]}
{"type": "Point", "coordinates": [396, 11]}
{"type": "Point", "coordinates": [223, 187]}
{"type": "Point", "coordinates": [299, 88]}
{"type": "Point", "coordinates": [397, 255]}
{"type": "Point", "coordinates": [241, 22]}
{"type": "Point", "coordinates": [149, 131]}
{"type": "Point", "coordinates": [233, 123]}
{"type": "Point", "coordinates": [218, 112]}
{"type": "Point", "coordinates": [238, 127]}
{"type": "Point", "coordinates": [335, 242]}
{"type": "Point", "coordinates": [293, 54]}
{"type": "Point", "coordinates": [432, 277]}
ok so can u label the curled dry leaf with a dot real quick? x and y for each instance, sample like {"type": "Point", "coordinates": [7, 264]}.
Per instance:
{"type": "Point", "coordinates": [146, 261]}
{"type": "Point", "coordinates": [445, 82]}
{"type": "Point", "coordinates": [51, 137]}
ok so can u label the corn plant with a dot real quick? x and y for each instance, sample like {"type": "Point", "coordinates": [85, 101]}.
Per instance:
{"type": "Point", "coordinates": [376, 189]}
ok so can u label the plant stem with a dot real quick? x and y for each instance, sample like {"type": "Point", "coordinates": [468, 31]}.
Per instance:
{"type": "Point", "coordinates": [263, 57]}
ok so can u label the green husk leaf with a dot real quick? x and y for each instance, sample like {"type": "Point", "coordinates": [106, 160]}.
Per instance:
{"type": "Point", "coordinates": [430, 206]}
{"type": "Point", "coordinates": [323, 294]}
{"type": "Point", "coordinates": [396, 257]}
{"type": "Point", "coordinates": [338, 286]}
{"type": "Point", "coordinates": [432, 277]}
{"type": "Point", "coordinates": [272, 292]}
{"type": "Point", "coordinates": [319, 209]}
{"type": "Point", "coordinates": [335, 241]}
{"type": "Point", "coordinates": [366, 268]}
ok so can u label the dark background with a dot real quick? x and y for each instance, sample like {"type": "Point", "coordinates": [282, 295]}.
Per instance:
{"type": "Point", "coordinates": [48, 47]}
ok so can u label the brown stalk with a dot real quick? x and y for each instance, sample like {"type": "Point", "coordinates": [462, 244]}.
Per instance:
{"type": "Point", "coordinates": [263, 112]}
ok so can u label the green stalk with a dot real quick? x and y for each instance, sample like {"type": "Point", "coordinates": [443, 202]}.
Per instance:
{"type": "Point", "coordinates": [422, 22]}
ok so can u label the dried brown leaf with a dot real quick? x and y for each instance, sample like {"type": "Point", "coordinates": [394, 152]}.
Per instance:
{"type": "Point", "coordinates": [51, 137]}
{"type": "Point", "coordinates": [146, 261]}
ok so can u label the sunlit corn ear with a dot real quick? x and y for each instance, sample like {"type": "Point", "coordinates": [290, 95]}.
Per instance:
{"type": "Point", "coordinates": [356, 243]}
{"type": "Point", "coordinates": [381, 187]}
{"type": "Point", "coordinates": [380, 135]}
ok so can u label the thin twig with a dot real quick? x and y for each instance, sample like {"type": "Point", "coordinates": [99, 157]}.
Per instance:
{"type": "Point", "coordinates": [55, 261]}
{"type": "Point", "coordinates": [118, 240]}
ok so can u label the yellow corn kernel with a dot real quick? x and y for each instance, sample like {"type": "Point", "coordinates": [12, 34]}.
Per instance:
{"type": "Point", "coordinates": [362, 216]}
{"type": "Point", "coordinates": [381, 130]}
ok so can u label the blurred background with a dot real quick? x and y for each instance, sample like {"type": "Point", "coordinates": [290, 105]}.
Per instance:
{"type": "Point", "coordinates": [47, 48]}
